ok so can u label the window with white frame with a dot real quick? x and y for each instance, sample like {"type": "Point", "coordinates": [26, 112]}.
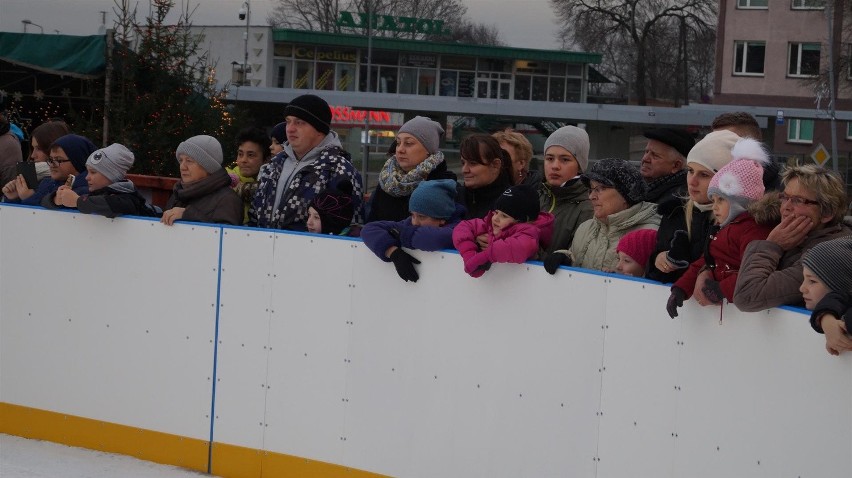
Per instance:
{"type": "Point", "coordinates": [849, 130]}
{"type": "Point", "coordinates": [749, 57]}
{"type": "Point", "coordinates": [808, 4]}
{"type": "Point", "coordinates": [803, 59]}
{"type": "Point", "coordinates": [753, 4]}
{"type": "Point", "coordinates": [800, 131]}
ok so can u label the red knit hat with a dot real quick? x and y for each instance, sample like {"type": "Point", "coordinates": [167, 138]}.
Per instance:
{"type": "Point", "coordinates": [638, 244]}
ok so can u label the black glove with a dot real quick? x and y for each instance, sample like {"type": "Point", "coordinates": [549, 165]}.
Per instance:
{"type": "Point", "coordinates": [404, 263]}
{"type": "Point", "coordinates": [675, 301]}
{"type": "Point", "coordinates": [555, 259]}
{"type": "Point", "coordinates": [679, 249]}
{"type": "Point", "coordinates": [713, 291]}
{"type": "Point", "coordinates": [835, 303]}
{"type": "Point", "coordinates": [484, 267]}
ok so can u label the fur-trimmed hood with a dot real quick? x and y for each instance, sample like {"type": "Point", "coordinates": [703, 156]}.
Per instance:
{"type": "Point", "coordinates": [766, 210]}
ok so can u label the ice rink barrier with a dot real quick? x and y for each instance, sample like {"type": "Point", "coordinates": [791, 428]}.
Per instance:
{"type": "Point", "coordinates": [301, 355]}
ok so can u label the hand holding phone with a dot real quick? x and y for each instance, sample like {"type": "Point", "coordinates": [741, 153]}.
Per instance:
{"type": "Point", "coordinates": [70, 181]}
{"type": "Point", "coordinates": [27, 170]}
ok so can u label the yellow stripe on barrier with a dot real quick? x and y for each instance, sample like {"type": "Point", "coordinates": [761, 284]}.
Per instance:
{"type": "Point", "coordinates": [103, 436]}
{"type": "Point", "coordinates": [229, 461]}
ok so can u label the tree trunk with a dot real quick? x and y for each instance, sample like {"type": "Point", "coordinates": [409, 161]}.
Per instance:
{"type": "Point", "coordinates": [641, 98]}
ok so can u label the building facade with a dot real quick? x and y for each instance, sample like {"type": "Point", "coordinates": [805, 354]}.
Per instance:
{"type": "Point", "coordinates": [775, 54]}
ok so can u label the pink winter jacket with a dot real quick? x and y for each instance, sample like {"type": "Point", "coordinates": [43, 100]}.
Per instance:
{"type": "Point", "coordinates": [516, 244]}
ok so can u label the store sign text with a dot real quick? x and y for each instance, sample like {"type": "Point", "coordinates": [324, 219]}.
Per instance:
{"type": "Point", "coordinates": [345, 114]}
{"type": "Point", "coordinates": [392, 23]}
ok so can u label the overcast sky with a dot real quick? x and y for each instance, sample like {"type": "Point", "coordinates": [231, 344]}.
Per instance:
{"type": "Point", "coordinates": [522, 23]}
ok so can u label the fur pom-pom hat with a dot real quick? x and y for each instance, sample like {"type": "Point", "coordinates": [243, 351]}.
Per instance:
{"type": "Point", "coordinates": [741, 180]}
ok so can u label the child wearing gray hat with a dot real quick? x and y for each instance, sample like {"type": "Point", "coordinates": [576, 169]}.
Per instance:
{"type": "Point", "coordinates": [110, 193]}
{"type": "Point", "coordinates": [827, 290]}
{"type": "Point", "coordinates": [434, 214]}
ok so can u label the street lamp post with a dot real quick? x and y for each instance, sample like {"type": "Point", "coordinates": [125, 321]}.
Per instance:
{"type": "Point", "coordinates": [245, 14]}
{"type": "Point", "coordinates": [29, 22]}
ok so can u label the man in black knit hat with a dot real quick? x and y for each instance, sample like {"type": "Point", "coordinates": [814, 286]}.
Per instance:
{"type": "Point", "coordinates": [312, 160]}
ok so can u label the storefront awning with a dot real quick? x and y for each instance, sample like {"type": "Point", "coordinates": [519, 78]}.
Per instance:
{"type": "Point", "coordinates": [68, 55]}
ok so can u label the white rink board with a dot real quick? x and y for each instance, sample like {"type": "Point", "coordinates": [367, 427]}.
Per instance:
{"type": "Point", "coordinates": [108, 319]}
{"type": "Point", "coordinates": [324, 353]}
{"type": "Point", "coordinates": [243, 347]}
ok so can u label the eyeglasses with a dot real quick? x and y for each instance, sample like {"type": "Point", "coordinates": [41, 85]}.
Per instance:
{"type": "Point", "coordinates": [56, 162]}
{"type": "Point", "coordinates": [598, 189]}
{"type": "Point", "coordinates": [796, 200]}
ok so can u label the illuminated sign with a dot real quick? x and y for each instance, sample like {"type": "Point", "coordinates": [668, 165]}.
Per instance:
{"type": "Point", "coordinates": [392, 23]}
{"type": "Point", "coordinates": [347, 115]}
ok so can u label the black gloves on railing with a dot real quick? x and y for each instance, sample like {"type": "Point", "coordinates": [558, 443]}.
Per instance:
{"type": "Point", "coordinates": [404, 263]}
{"type": "Point", "coordinates": [555, 259]}
{"type": "Point", "coordinates": [675, 301]}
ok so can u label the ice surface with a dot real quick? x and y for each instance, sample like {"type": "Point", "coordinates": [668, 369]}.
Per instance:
{"type": "Point", "coordinates": [24, 458]}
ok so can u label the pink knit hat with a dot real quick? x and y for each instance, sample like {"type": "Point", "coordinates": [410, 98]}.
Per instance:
{"type": "Point", "coordinates": [743, 176]}
{"type": "Point", "coordinates": [639, 245]}
{"type": "Point", "coordinates": [741, 180]}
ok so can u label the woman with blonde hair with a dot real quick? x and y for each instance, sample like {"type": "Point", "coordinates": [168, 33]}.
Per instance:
{"type": "Point", "coordinates": [685, 227]}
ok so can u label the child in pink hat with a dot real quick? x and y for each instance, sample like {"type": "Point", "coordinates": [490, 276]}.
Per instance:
{"type": "Point", "coordinates": [737, 185]}
{"type": "Point", "coordinates": [634, 249]}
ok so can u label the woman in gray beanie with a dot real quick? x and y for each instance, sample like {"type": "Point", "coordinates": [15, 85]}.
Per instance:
{"type": "Point", "coordinates": [204, 192]}
{"type": "Point", "coordinates": [417, 158]}
{"type": "Point", "coordinates": [616, 190]}
{"type": "Point", "coordinates": [827, 290]}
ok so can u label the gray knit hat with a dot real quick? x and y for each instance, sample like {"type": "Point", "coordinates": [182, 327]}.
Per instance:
{"type": "Point", "coordinates": [112, 161]}
{"type": "Point", "coordinates": [205, 150]}
{"type": "Point", "coordinates": [436, 198]}
{"type": "Point", "coordinates": [618, 174]}
{"type": "Point", "coordinates": [426, 131]}
{"type": "Point", "coordinates": [575, 140]}
{"type": "Point", "coordinates": [831, 261]}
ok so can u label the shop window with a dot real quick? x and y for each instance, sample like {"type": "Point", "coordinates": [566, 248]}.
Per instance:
{"type": "Point", "coordinates": [749, 57]}
{"type": "Point", "coordinates": [573, 69]}
{"type": "Point", "coordinates": [523, 85]}
{"type": "Point", "coordinates": [426, 83]}
{"type": "Point", "coordinates": [804, 59]}
{"type": "Point", "coordinates": [466, 84]}
{"type": "Point", "coordinates": [753, 4]}
{"type": "Point", "coordinates": [304, 75]}
{"type": "Point", "coordinates": [325, 76]}
{"type": "Point", "coordinates": [557, 90]}
{"type": "Point", "coordinates": [800, 131]}
{"type": "Point", "coordinates": [449, 80]}
{"type": "Point", "coordinates": [345, 77]}
{"type": "Point", "coordinates": [383, 79]}
{"type": "Point", "coordinates": [539, 88]}
{"type": "Point", "coordinates": [408, 81]}
{"type": "Point", "coordinates": [573, 90]}
{"type": "Point", "coordinates": [283, 69]}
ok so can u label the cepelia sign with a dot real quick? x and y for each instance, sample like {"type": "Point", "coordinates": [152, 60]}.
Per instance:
{"type": "Point", "coordinates": [391, 23]}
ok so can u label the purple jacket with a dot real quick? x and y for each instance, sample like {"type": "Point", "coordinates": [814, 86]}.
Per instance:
{"type": "Point", "coordinates": [380, 235]}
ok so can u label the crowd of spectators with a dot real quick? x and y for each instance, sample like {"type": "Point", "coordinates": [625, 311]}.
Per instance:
{"type": "Point", "coordinates": [717, 218]}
